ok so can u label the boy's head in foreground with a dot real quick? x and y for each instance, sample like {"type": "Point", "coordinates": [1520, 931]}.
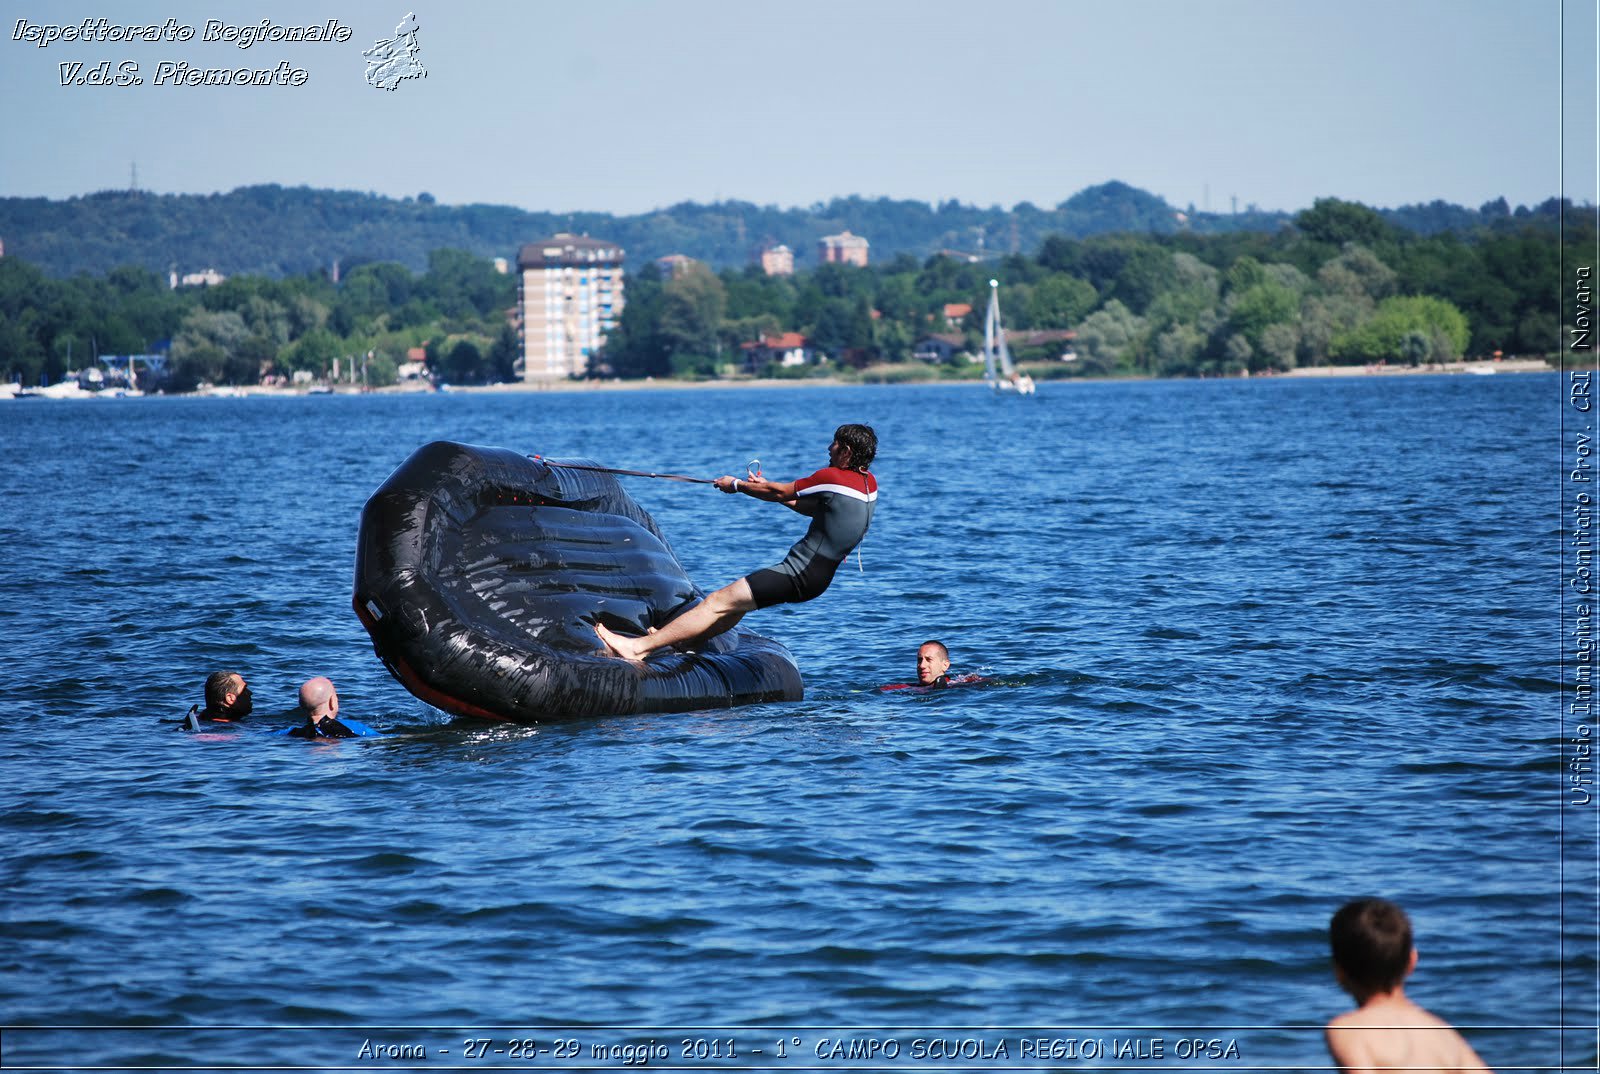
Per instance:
{"type": "Point", "coordinates": [1371, 942]}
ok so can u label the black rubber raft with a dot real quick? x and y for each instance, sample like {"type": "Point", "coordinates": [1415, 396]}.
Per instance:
{"type": "Point", "coordinates": [480, 574]}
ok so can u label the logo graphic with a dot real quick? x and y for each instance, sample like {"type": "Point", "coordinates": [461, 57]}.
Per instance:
{"type": "Point", "coordinates": [391, 62]}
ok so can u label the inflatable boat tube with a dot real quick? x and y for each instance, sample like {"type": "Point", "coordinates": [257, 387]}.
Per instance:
{"type": "Point", "coordinates": [481, 572]}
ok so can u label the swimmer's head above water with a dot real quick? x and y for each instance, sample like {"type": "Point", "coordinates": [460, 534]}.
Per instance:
{"type": "Point", "coordinates": [933, 661]}
{"type": "Point", "coordinates": [319, 700]}
{"type": "Point", "coordinates": [227, 696]}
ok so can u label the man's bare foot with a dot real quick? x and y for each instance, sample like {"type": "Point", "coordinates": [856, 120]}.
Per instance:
{"type": "Point", "coordinates": [627, 648]}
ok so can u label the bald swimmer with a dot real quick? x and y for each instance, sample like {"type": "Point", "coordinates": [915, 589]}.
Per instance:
{"type": "Point", "coordinates": [319, 701]}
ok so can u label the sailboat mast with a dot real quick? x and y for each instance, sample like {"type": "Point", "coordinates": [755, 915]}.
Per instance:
{"type": "Point", "coordinates": [1007, 370]}
{"type": "Point", "coordinates": [991, 329]}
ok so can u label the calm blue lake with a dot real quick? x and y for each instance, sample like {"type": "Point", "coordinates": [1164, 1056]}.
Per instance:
{"type": "Point", "coordinates": [1260, 647]}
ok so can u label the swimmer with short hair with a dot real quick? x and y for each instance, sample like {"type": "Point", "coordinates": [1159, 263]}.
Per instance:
{"type": "Point", "coordinates": [227, 701]}
{"type": "Point", "coordinates": [1372, 956]}
{"type": "Point", "coordinates": [933, 664]}
{"type": "Point", "coordinates": [933, 672]}
{"type": "Point", "coordinates": [839, 499]}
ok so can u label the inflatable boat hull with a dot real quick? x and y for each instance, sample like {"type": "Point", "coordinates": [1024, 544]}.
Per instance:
{"type": "Point", "coordinates": [480, 574]}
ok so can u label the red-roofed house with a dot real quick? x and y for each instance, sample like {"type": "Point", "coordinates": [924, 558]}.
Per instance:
{"type": "Point", "coordinates": [954, 312]}
{"type": "Point", "coordinates": [785, 348]}
{"type": "Point", "coordinates": [415, 367]}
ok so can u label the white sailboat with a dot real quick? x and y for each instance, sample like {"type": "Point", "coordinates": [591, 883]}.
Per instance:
{"type": "Point", "coordinates": [998, 372]}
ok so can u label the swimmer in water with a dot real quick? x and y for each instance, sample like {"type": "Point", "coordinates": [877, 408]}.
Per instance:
{"type": "Point", "coordinates": [227, 701]}
{"type": "Point", "coordinates": [839, 499]}
{"type": "Point", "coordinates": [319, 701]}
{"type": "Point", "coordinates": [1372, 957]}
{"type": "Point", "coordinates": [933, 665]}
{"type": "Point", "coordinates": [933, 672]}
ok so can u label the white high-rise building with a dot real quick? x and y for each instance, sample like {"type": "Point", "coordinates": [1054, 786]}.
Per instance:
{"type": "Point", "coordinates": [569, 292]}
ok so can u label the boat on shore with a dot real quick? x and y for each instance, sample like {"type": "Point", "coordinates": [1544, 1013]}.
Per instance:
{"type": "Point", "coordinates": [65, 389]}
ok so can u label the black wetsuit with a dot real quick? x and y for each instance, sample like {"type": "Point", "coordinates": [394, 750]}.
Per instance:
{"type": "Point", "coordinates": [198, 717]}
{"type": "Point", "coordinates": [840, 503]}
{"type": "Point", "coordinates": [330, 727]}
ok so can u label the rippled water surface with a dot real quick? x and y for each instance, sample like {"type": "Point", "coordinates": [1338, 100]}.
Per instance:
{"type": "Point", "coordinates": [1260, 647]}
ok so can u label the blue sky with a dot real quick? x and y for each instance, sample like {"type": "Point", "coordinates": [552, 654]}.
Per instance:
{"type": "Point", "coordinates": [628, 105]}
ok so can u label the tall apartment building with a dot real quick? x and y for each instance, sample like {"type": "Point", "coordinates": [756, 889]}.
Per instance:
{"type": "Point", "coordinates": [845, 247]}
{"type": "Point", "coordinates": [569, 291]}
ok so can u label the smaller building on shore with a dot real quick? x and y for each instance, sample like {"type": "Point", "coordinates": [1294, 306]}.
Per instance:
{"type": "Point", "coordinates": [777, 260]}
{"type": "Point", "coordinates": [843, 248]}
{"type": "Point", "coordinates": [674, 265]}
{"type": "Point", "coordinates": [939, 347]}
{"type": "Point", "coordinates": [784, 349]}
{"type": "Point", "coordinates": [208, 278]}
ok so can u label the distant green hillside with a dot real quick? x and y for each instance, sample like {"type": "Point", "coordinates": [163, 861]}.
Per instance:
{"type": "Point", "coordinates": [1339, 284]}
{"type": "Point", "coordinates": [281, 231]}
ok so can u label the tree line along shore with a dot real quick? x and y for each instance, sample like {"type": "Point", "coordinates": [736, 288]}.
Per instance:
{"type": "Point", "coordinates": [1339, 288]}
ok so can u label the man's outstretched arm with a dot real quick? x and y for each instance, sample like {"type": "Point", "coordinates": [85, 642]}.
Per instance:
{"type": "Point", "coordinates": [759, 488]}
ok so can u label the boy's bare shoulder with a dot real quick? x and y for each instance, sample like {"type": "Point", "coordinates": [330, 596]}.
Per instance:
{"type": "Point", "coordinates": [1398, 1035]}
{"type": "Point", "coordinates": [1403, 1015]}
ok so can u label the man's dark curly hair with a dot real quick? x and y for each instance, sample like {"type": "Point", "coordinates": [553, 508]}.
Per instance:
{"type": "Point", "coordinates": [860, 441]}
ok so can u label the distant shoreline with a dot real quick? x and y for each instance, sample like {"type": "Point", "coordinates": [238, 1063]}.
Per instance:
{"type": "Point", "coordinates": [1510, 365]}
{"type": "Point", "coordinates": [1450, 368]}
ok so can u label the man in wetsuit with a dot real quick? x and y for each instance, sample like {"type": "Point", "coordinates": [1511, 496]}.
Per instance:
{"type": "Point", "coordinates": [933, 665]}
{"type": "Point", "coordinates": [320, 703]}
{"type": "Point", "coordinates": [839, 499]}
{"type": "Point", "coordinates": [227, 701]}
{"type": "Point", "coordinates": [933, 672]}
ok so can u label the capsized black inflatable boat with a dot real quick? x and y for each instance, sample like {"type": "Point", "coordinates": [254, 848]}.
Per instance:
{"type": "Point", "coordinates": [480, 573]}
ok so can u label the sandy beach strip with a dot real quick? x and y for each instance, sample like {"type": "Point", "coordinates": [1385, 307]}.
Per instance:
{"type": "Point", "coordinates": [1508, 365]}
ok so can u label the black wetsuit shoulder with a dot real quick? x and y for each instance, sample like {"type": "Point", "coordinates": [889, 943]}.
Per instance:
{"type": "Point", "coordinates": [197, 719]}
{"type": "Point", "coordinates": [329, 728]}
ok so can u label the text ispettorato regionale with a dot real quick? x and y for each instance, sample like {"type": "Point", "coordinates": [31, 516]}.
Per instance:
{"type": "Point", "coordinates": [101, 30]}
